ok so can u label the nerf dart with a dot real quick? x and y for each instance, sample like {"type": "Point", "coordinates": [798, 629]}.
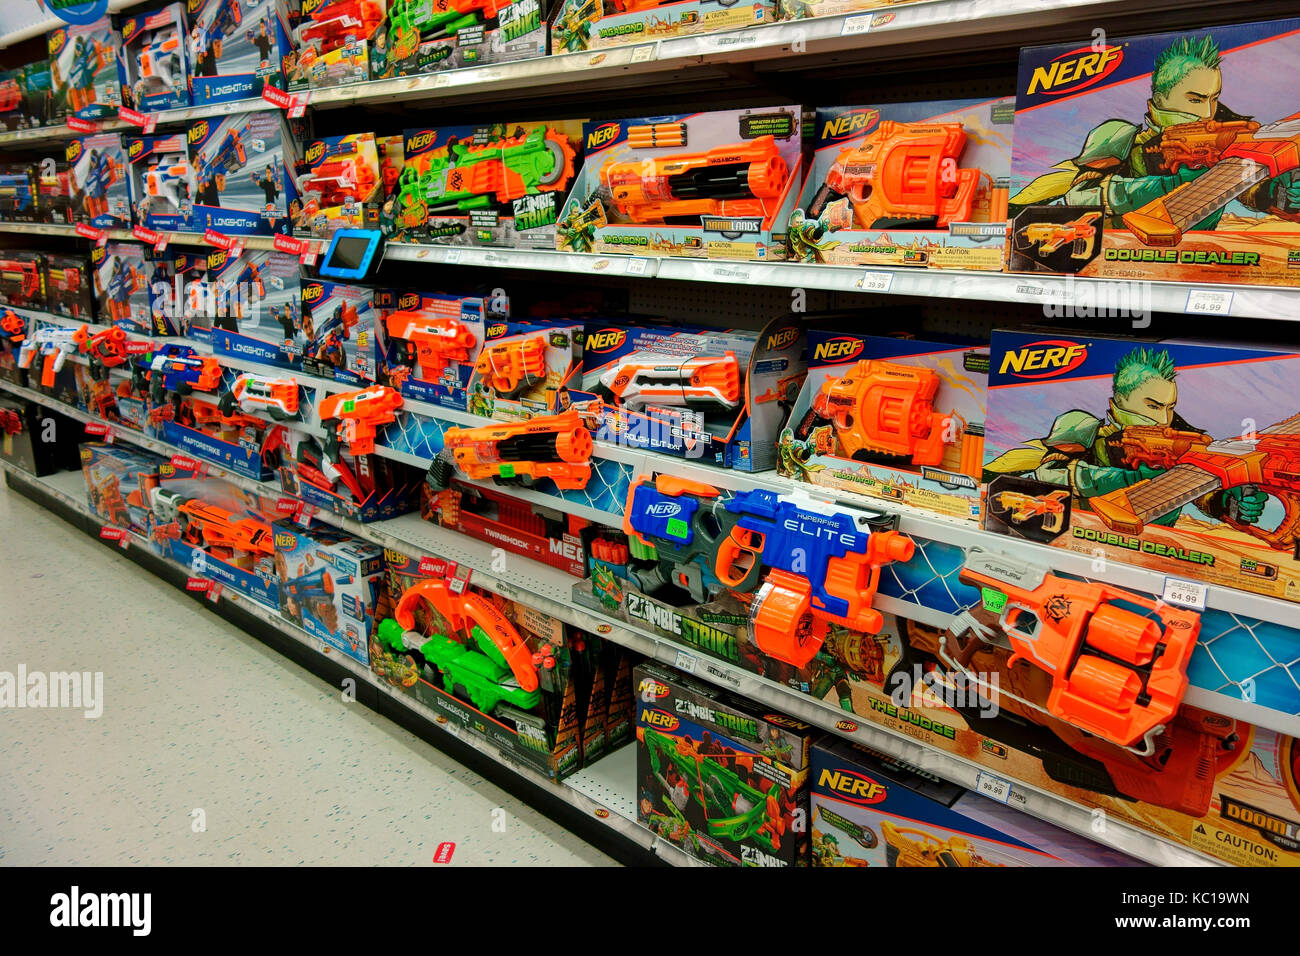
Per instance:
{"type": "Point", "coordinates": [703, 382]}
{"type": "Point", "coordinates": [902, 174]}
{"type": "Point", "coordinates": [434, 342]}
{"type": "Point", "coordinates": [262, 394]}
{"type": "Point", "coordinates": [353, 417]}
{"type": "Point", "coordinates": [737, 179]}
{"type": "Point", "coordinates": [1244, 155]}
{"type": "Point", "coordinates": [656, 135]}
{"type": "Point", "coordinates": [20, 281]}
{"type": "Point", "coordinates": [883, 408]}
{"type": "Point", "coordinates": [499, 667]}
{"type": "Point", "coordinates": [1117, 674]}
{"type": "Point", "coordinates": [215, 527]}
{"type": "Point", "coordinates": [557, 447]}
{"type": "Point", "coordinates": [55, 344]}
{"type": "Point", "coordinates": [1081, 233]}
{"type": "Point", "coordinates": [1196, 465]}
{"type": "Point", "coordinates": [804, 564]}
{"type": "Point", "coordinates": [512, 367]}
{"type": "Point", "coordinates": [106, 349]}
{"type": "Point", "coordinates": [1019, 508]}
{"type": "Point", "coordinates": [13, 326]}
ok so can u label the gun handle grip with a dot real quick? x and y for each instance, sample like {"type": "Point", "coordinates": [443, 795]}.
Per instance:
{"type": "Point", "coordinates": [739, 561]}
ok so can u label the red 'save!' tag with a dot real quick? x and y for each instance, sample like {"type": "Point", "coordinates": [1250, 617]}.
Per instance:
{"type": "Point", "coordinates": [197, 585]}
{"type": "Point", "coordinates": [82, 125]}
{"type": "Point", "coordinates": [100, 236]}
{"type": "Point", "coordinates": [109, 533]}
{"type": "Point", "coordinates": [286, 506]}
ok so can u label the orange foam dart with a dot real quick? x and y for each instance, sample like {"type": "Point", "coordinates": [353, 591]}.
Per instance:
{"type": "Point", "coordinates": [1117, 674]}
{"type": "Point", "coordinates": [511, 367]}
{"type": "Point", "coordinates": [435, 341]}
{"type": "Point", "coordinates": [462, 612]}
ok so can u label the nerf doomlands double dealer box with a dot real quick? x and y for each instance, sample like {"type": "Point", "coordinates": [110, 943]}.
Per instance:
{"type": "Point", "coordinates": [1171, 456]}
{"type": "Point", "coordinates": [891, 417]}
{"type": "Point", "coordinates": [704, 185]}
{"type": "Point", "coordinates": [1163, 157]}
{"type": "Point", "coordinates": [578, 25]}
{"type": "Point", "coordinates": [907, 184]}
{"type": "Point", "coordinates": [725, 781]}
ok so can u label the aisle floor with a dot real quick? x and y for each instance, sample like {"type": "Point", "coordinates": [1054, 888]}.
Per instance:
{"type": "Point", "coordinates": [212, 748]}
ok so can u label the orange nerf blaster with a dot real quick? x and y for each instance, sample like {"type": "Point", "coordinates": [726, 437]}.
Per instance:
{"type": "Point", "coordinates": [737, 179]}
{"type": "Point", "coordinates": [1117, 674]}
{"type": "Point", "coordinates": [555, 447]}
{"type": "Point", "coordinates": [902, 174]}
{"type": "Point", "coordinates": [1081, 233]}
{"type": "Point", "coordinates": [434, 342]}
{"type": "Point", "coordinates": [353, 417]}
{"type": "Point", "coordinates": [883, 408]}
{"type": "Point", "coordinates": [511, 367]}
{"type": "Point", "coordinates": [217, 527]}
{"type": "Point", "coordinates": [13, 326]}
{"type": "Point", "coordinates": [1021, 507]}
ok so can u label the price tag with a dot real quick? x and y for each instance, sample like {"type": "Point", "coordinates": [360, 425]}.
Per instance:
{"type": "Point", "coordinates": [876, 281]}
{"type": "Point", "coordinates": [309, 254]}
{"type": "Point", "coordinates": [452, 257]}
{"type": "Point", "coordinates": [995, 788]}
{"type": "Point", "coordinates": [109, 533]}
{"type": "Point", "coordinates": [685, 662]}
{"type": "Point", "coordinates": [1184, 593]}
{"type": "Point", "coordinates": [151, 236]}
{"type": "Point", "coordinates": [124, 541]}
{"type": "Point", "coordinates": [432, 567]}
{"type": "Point", "coordinates": [1209, 302]}
{"type": "Point", "coordinates": [100, 236]}
{"type": "Point", "coordinates": [304, 514]}
{"type": "Point", "coordinates": [138, 347]}
{"type": "Point", "coordinates": [289, 244]}
{"type": "Point", "coordinates": [855, 25]}
{"type": "Point", "coordinates": [148, 122]}
{"type": "Point", "coordinates": [214, 592]}
{"type": "Point", "coordinates": [299, 105]}
{"type": "Point", "coordinates": [645, 53]}
{"type": "Point", "coordinates": [277, 98]}
{"type": "Point", "coordinates": [286, 506]}
{"type": "Point", "coordinates": [457, 584]}
{"type": "Point", "coordinates": [636, 267]}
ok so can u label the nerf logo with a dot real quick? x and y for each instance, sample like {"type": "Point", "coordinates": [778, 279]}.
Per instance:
{"type": "Point", "coordinates": [408, 300]}
{"type": "Point", "coordinates": [1076, 70]}
{"type": "Point", "coordinates": [1045, 359]}
{"type": "Point", "coordinates": [314, 152]}
{"type": "Point", "coordinates": [652, 689]}
{"type": "Point", "coordinates": [602, 135]}
{"type": "Point", "coordinates": [781, 720]}
{"type": "Point", "coordinates": [198, 132]}
{"type": "Point", "coordinates": [857, 121]}
{"type": "Point", "coordinates": [312, 292]}
{"type": "Point", "coordinates": [285, 540]}
{"type": "Point", "coordinates": [57, 39]}
{"type": "Point", "coordinates": [663, 509]}
{"type": "Point", "coordinates": [605, 340]}
{"type": "Point", "coordinates": [419, 141]}
{"type": "Point", "coordinates": [837, 350]}
{"type": "Point", "coordinates": [782, 339]}
{"type": "Point", "coordinates": [309, 5]}
{"type": "Point", "coordinates": [217, 258]}
{"type": "Point", "coordinates": [853, 787]}
{"type": "Point", "coordinates": [660, 718]}
{"type": "Point", "coordinates": [136, 148]}
{"type": "Point", "coordinates": [129, 28]}
{"type": "Point", "coordinates": [846, 726]}
{"type": "Point", "coordinates": [97, 254]}
{"type": "Point", "coordinates": [193, 5]}
{"type": "Point", "coordinates": [496, 330]}
{"type": "Point", "coordinates": [74, 151]}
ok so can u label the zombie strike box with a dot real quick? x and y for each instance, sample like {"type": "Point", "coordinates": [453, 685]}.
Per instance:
{"type": "Point", "coordinates": [1173, 456]}
{"type": "Point", "coordinates": [429, 36]}
{"type": "Point", "coordinates": [1162, 157]}
{"type": "Point", "coordinates": [85, 69]}
{"type": "Point", "coordinates": [703, 185]}
{"type": "Point", "coordinates": [891, 417]}
{"type": "Point", "coordinates": [236, 49]}
{"type": "Point", "coordinates": [578, 25]}
{"type": "Point", "coordinates": [725, 781]}
{"type": "Point", "coordinates": [907, 184]}
{"type": "Point", "coordinates": [240, 166]}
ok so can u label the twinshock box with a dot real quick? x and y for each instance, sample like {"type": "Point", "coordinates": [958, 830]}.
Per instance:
{"type": "Point", "coordinates": [240, 165]}
{"type": "Point", "coordinates": [1172, 456]}
{"type": "Point", "coordinates": [704, 185]}
{"type": "Point", "coordinates": [429, 36]}
{"type": "Point", "coordinates": [1159, 157]}
{"type": "Point", "coordinates": [720, 778]}
{"type": "Point", "coordinates": [593, 24]}
{"type": "Point", "coordinates": [97, 174]}
{"type": "Point", "coordinates": [891, 417]}
{"type": "Point", "coordinates": [907, 184]}
{"type": "Point", "coordinates": [85, 70]}
{"type": "Point", "coordinates": [236, 49]}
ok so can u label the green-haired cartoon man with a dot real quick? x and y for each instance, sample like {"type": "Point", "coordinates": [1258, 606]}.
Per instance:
{"type": "Point", "coordinates": [1119, 167]}
{"type": "Point", "coordinates": [1082, 451]}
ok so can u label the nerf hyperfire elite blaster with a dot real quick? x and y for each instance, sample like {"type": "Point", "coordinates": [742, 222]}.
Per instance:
{"type": "Point", "coordinates": [1081, 234]}
{"type": "Point", "coordinates": [497, 667]}
{"type": "Point", "coordinates": [468, 176]}
{"type": "Point", "coordinates": [557, 447]}
{"type": "Point", "coordinates": [212, 526]}
{"type": "Point", "coordinates": [353, 417]}
{"type": "Point", "coordinates": [334, 24]}
{"type": "Point", "coordinates": [804, 564]}
{"type": "Point", "coordinates": [105, 348]}
{"type": "Point", "coordinates": [1240, 154]}
{"type": "Point", "coordinates": [342, 177]}
{"type": "Point", "coordinates": [55, 344]}
{"type": "Point", "coordinates": [1020, 507]}
{"type": "Point", "coordinates": [276, 396]}
{"type": "Point", "coordinates": [736, 179]}
{"type": "Point", "coordinates": [433, 342]}
{"type": "Point", "coordinates": [902, 174]}
{"type": "Point", "coordinates": [704, 382]}
{"type": "Point", "coordinates": [1116, 673]}
{"type": "Point", "coordinates": [883, 409]}
{"type": "Point", "coordinates": [509, 368]}
{"type": "Point", "coordinates": [1196, 465]}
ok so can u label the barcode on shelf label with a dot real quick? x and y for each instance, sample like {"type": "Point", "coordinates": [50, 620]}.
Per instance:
{"type": "Point", "coordinates": [1184, 593]}
{"type": "Point", "coordinates": [995, 788]}
{"type": "Point", "coordinates": [452, 257]}
{"type": "Point", "coordinates": [876, 281]}
{"type": "Point", "coordinates": [299, 105]}
{"type": "Point", "coordinates": [305, 512]}
{"type": "Point", "coordinates": [646, 53]}
{"type": "Point", "coordinates": [855, 25]}
{"type": "Point", "coordinates": [685, 662]}
{"type": "Point", "coordinates": [1209, 302]}
{"type": "Point", "coordinates": [636, 267]}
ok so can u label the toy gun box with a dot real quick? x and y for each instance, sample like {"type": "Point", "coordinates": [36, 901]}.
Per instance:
{"type": "Point", "coordinates": [161, 181]}
{"type": "Point", "coordinates": [54, 197]}
{"type": "Point", "coordinates": [389, 488]}
{"type": "Point", "coordinates": [20, 193]}
{"type": "Point", "coordinates": [499, 185]}
{"type": "Point", "coordinates": [546, 728]}
{"type": "Point", "coordinates": [330, 585]}
{"type": "Point", "coordinates": [334, 43]}
{"type": "Point", "coordinates": [26, 97]}
{"type": "Point", "coordinates": [249, 307]}
{"type": "Point", "coordinates": [907, 184]}
{"type": "Point", "coordinates": [339, 186]}
{"type": "Point", "coordinates": [338, 326]}
{"type": "Point", "coordinates": [1176, 456]}
{"type": "Point", "coordinates": [715, 396]}
{"type": "Point", "coordinates": [121, 286]}
{"type": "Point", "coordinates": [578, 25]}
{"type": "Point", "coordinates": [242, 167]}
{"type": "Point", "coordinates": [1130, 178]}
{"type": "Point", "coordinates": [112, 473]}
{"type": "Point", "coordinates": [893, 418]}
{"type": "Point", "coordinates": [69, 286]}
{"type": "Point", "coordinates": [22, 279]}
{"type": "Point", "coordinates": [24, 430]}
{"type": "Point", "coordinates": [85, 69]}
{"type": "Point", "coordinates": [98, 180]}
{"type": "Point", "coordinates": [871, 810]}
{"type": "Point", "coordinates": [243, 444]}
{"type": "Point", "coordinates": [155, 59]}
{"type": "Point", "coordinates": [235, 50]}
{"type": "Point", "coordinates": [525, 369]}
{"type": "Point", "coordinates": [429, 36]}
{"type": "Point", "coordinates": [705, 185]}
{"type": "Point", "coordinates": [723, 780]}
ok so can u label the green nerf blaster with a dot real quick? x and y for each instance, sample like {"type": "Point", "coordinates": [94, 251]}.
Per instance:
{"type": "Point", "coordinates": [415, 21]}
